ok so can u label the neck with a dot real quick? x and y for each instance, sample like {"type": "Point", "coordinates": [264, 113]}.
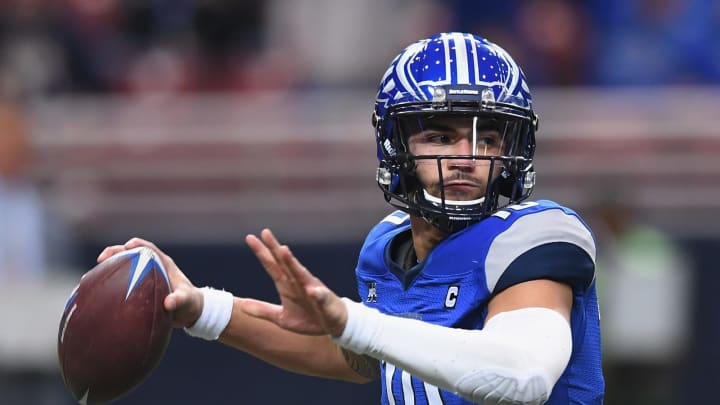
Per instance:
{"type": "Point", "coordinates": [425, 236]}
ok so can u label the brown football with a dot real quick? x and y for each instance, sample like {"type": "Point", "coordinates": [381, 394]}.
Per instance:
{"type": "Point", "coordinates": [114, 330]}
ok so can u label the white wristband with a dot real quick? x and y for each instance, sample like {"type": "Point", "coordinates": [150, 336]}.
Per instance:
{"type": "Point", "coordinates": [215, 316]}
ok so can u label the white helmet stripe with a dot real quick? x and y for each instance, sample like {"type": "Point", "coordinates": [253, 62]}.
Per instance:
{"type": "Point", "coordinates": [461, 59]}
{"type": "Point", "coordinates": [402, 69]}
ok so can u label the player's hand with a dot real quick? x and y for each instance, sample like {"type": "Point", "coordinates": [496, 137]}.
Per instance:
{"type": "Point", "coordinates": [185, 302]}
{"type": "Point", "coordinates": [307, 306]}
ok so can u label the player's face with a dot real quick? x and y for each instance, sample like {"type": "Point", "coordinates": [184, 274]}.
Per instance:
{"type": "Point", "coordinates": [470, 140]}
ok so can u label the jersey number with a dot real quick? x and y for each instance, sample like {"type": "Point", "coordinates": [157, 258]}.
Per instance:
{"type": "Point", "coordinates": [432, 393]}
{"type": "Point", "coordinates": [505, 213]}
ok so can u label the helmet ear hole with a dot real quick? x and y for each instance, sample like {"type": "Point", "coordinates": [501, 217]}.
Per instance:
{"type": "Point", "coordinates": [507, 184]}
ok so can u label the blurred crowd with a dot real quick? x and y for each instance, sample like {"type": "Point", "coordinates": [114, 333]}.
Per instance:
{"type": "Point", "coordinates": [109, 46]}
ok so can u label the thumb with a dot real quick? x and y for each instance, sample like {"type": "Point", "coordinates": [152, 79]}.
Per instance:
{"type": "Point", "coordinates": [332, 308]}
{"type": "Point", "coordinates": [261, 309]}
{"type": "Point", "coordinates": [175, 300]}
{"type": "Point", "coordinates": [180, 304]}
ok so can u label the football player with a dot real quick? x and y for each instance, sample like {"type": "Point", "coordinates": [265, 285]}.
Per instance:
{"type": "Point", "coordinates": [471, 292]}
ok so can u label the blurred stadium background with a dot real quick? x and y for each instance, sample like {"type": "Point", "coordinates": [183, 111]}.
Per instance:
{"type": "Point", "coordinates": [194, 122]}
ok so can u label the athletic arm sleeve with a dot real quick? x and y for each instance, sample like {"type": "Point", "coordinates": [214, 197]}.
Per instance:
{"type": "Point", "coordinates": [517, 358]}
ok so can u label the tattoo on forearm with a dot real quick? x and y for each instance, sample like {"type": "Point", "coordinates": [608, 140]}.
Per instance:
{"type": "Point", "coordinates": [365, 366]}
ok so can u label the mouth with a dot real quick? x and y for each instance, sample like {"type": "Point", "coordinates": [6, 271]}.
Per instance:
{"type": "Point", "coordinates": [463, 186]}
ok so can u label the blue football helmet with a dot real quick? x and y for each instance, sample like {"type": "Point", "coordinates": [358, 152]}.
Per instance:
{"type": "Point", "coordinates": [454, 76]}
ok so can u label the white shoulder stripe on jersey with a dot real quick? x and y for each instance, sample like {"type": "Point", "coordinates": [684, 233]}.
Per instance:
{"type": "Point", "coordinates": [531, 231]}
{"type": "Point", "coordinates": [397, 217]}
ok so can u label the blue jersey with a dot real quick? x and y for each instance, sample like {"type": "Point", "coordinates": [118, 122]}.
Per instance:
{"type": "Point", "coordinates": [453, 285]}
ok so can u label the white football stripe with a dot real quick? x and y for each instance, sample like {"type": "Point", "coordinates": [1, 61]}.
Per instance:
{"type": "Point", "coordinates": [128, 252]}
{"type": "Point", "coordinates": [159, 263]}
{"type": "Point", "coordinates": [72, 294]}
{"type": "Point", "coordinates": [70, 314]}
{"type": "Point", "coordinates": [145, 255]}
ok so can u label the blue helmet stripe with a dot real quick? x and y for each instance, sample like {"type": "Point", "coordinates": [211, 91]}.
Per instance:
{"type": "Point", "coordinates": [475, 61]}
{"type": "Point", "coordinates": [447, 62]}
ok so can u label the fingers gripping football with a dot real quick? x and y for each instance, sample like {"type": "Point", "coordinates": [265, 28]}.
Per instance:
{"type": "Point", "coordinates": [185, 302]}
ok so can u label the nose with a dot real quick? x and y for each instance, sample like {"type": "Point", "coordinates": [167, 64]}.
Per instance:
{"type": "Point", "coordinates": [465, 164]}
{"type": "Point", "coordinates": [463, 147]}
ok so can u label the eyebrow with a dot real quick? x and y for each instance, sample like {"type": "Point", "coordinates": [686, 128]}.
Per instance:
{"type": "Point", "coordinates": [437, 127]}
{"type": "Point", "coordinates": [482, 126]}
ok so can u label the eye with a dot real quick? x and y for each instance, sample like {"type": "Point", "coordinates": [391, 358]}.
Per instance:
{"type": "Point", "coordinates": [488, 140]}
{"type": "Point", "coordinates": [437, 138]}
